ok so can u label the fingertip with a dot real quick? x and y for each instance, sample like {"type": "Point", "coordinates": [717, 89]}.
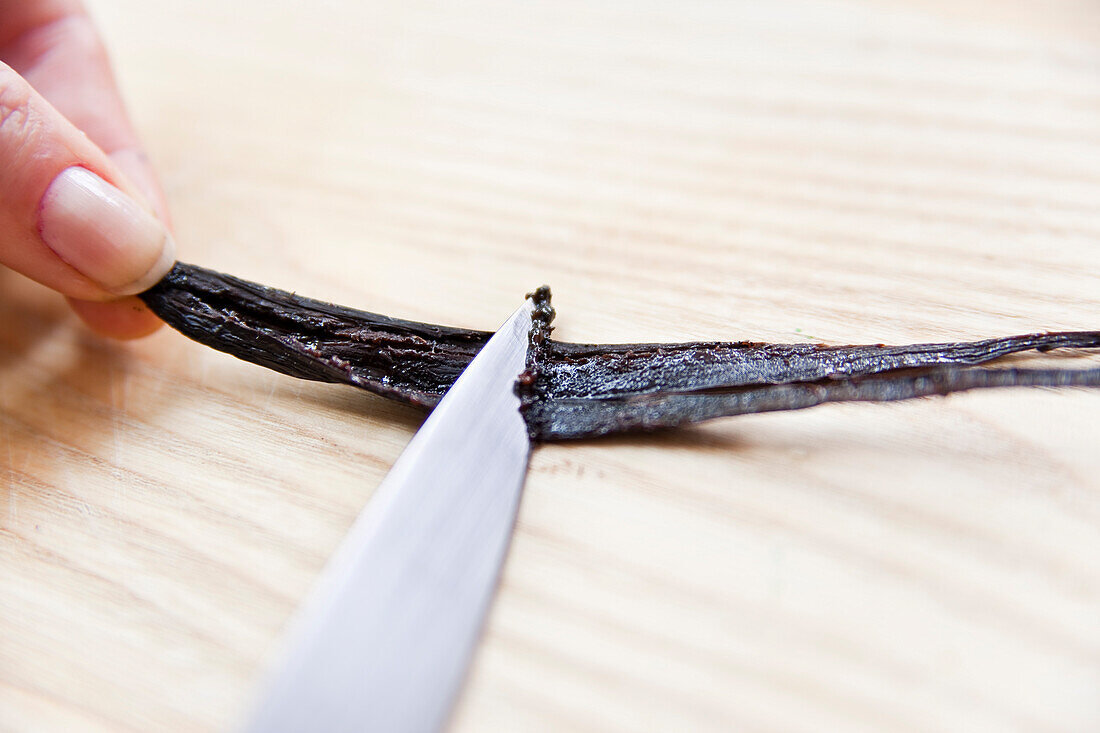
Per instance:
{"type": "Point", "coordinates": [126, 318]}
{"type": "Point", "coordinates": [102, 233]}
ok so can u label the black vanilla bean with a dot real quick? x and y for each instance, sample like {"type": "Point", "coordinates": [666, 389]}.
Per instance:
{"type": "Point", "coordinates": [304, 338]}
{"type": "Point", "coordinates": [573, 391]}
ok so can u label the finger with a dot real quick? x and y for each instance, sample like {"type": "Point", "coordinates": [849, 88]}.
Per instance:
{"type": "Point", "coordinates": [22, 15]}
{"type": "Point", "coordinates": [68, 218]}
{"type": "Point", "coordinates": [122, 319]}
{"type": "Point", "coordinates": [62, 56]}
{"type": "Point", "coordinates": [53, 45]}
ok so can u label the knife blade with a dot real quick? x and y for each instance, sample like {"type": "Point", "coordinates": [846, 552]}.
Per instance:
{"type": "Point", "coordinates": [385, 638]}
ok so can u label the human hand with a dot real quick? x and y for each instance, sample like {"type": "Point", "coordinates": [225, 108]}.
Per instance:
{"type": "Point", "coordinates": [80, 207]}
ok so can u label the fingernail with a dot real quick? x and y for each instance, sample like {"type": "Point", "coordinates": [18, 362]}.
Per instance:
{"type": "Point", "coordinates": [103, 233]}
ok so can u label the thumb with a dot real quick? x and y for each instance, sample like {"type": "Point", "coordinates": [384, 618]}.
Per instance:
{"type": "Point", "coordinates": [68, 219]}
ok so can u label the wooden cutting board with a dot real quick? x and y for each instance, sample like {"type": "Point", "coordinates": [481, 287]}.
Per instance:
{"type": "Point", "coordinates": [877, 171]}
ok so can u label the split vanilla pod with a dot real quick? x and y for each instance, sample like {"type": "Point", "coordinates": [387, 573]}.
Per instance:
{"type": "Point", "coordinates": [571, 391]}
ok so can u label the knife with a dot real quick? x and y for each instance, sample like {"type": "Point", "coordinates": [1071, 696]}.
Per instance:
{"type": "Point", "coordinates": [385, 638]}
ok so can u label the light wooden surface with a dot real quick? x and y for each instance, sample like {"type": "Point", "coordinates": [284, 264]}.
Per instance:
{"type": "Point", "coordinates": [878, 171]}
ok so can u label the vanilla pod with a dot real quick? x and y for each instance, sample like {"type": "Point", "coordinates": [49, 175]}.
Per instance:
{"type": "Point", "coordinates": [571, 391]}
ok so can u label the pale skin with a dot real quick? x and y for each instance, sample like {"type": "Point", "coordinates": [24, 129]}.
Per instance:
{"type": "Point", "coordinates": [62, 120]}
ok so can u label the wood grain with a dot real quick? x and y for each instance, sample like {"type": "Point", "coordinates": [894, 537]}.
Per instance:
{"type": "Point", "coordinates": [879, 171]}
